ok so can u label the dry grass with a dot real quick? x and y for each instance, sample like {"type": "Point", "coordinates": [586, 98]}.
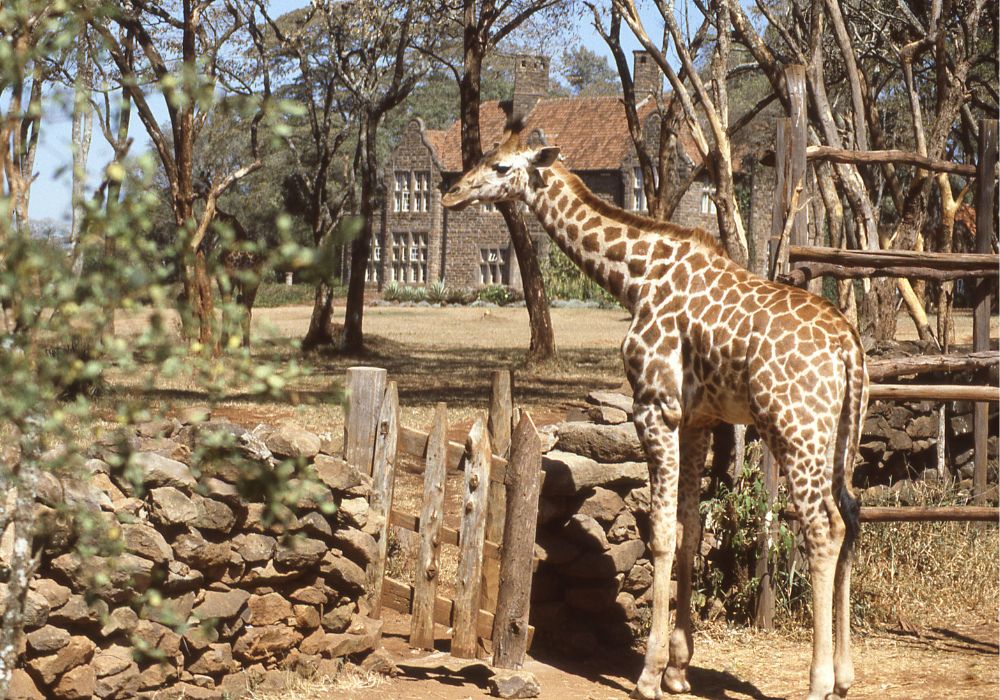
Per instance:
{"type": "Point", "coordinates": [350, 678]}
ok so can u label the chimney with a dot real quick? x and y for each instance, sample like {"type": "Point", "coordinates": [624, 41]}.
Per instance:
{"type": "Point", "coordinates": [646, 76]}
{"type": "Point", "coordinates": [531, 82]}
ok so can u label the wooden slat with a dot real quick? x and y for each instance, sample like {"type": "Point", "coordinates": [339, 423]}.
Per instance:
{"type": "Point", "coordinates": [498, 424]}
{"type": "Point", "coordinates": [365, 389]}
{"type": "Point", "coordinates": [524, 479]}
{"type": "Point", "coordinates": [414, 442]}
{"type": "Point", "coordinates": [447, 535]}
{"type": "Point", "coordinates": [426, 575]}
{"type": "Point", "coordinates": [986, 197]}
{"type": "Point", "coordinates": [470, 549]}
{"type": "Point", "coordinates": [897, 258]}
{"type": "Point", "coordinates": [383, 482]}
{"type": "Point", "coordinates": [398, 596]}
{"type": "Point", "coordinates": [889, 368]}
{"type": "Point", "coordinates": [903, 514]}
{"type": "Point", "coordinates": [934, 392]}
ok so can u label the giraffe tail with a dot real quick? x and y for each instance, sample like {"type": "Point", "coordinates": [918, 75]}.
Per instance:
{"type": "Point", "coordinates": [852, 416]}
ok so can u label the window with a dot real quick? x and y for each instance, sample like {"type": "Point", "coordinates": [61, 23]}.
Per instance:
{"type": "Point", "coordinates": [401, 201]}
{"type": "Point", "coordinates": [421, 191]}
{"type": "Point", "coordinates": [493, 266]}
{"type": "Point", "coordinates": [374, 271]}
{"type": "Point", "coordinates": [488, 207]}
{"type": "Point", "coordinates": [409, 258]}
{"type": "Point", "coordinates": [638, 202]}
{"type": "Point", "coordinates": [707, 199]}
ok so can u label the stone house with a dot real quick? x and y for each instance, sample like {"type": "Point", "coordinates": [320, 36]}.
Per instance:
{"type": "Point", "coordinates": [419, 242]}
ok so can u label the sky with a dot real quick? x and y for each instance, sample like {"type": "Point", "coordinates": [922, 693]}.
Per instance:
{"type": "Point", "coordinates": [50, 193]}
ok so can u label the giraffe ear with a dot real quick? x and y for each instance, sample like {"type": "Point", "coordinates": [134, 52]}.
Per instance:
{"type": "Point", "coordinates": [545, 157]}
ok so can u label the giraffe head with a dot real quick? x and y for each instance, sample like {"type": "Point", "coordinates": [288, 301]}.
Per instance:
{"type": "Point", "coordinates": [504, 174]}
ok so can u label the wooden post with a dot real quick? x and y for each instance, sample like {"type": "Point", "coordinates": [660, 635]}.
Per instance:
{"type": "Point", "coordinates": [425, 577]}
{"type": "Point", "coordinates": [986, 200]}
{"type": "Point", "coordinates": [523, 482]}
{"type": "Point", "coordinates": [764, 611]}
{"type": "Point", "coordinates": [778, 255]}
{"type": "Point", "coordinates": [383, 482]}
{"type": "Point", "coordinates": [365, 389]}
{"type": "Point", "coordinates": [470, 549]}
{"type": "Point", "coordinates": [499, 425]}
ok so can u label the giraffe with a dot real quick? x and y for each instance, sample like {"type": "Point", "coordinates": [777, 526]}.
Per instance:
{"type": "Point", "coordinates": [709, 342]}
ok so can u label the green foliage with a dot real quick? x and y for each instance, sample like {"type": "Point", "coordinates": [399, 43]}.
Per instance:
{"type": "Point", "coordinates": [586, 72]}
{"type": "Point", "coordinates": [437, 293]}
{"type": "Point", "coordinates": [737, 516]}
{"type": "Point", "coordinates": [498, 294]}
{"type": "Point", "coordinates": [404, 293]}
{"type": "Point", "coordinates": [274, 294]}
{"type": "Point", "coordinates": [564, 280]}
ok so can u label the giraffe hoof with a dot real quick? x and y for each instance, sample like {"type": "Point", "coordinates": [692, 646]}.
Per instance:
{"type": "Point", "coordinates": [640, 694]}
{"type": "Point", "coordinates": [675, 681]}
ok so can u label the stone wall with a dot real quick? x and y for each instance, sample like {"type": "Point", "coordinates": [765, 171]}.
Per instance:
{"type": "Point", "coordinates": [205, 587]}
{"type": "Point", "coordinates": [593, 580]}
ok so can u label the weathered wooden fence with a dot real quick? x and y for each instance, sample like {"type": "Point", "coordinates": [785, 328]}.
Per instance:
{"type": "Point", "coordinates": [795, 262]}
{"type": "Point", "coordinates": [496, 536]}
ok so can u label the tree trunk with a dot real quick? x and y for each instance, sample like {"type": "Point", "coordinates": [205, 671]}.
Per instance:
{"type": "Point", "coordinates": [366, 156]}
{"type": "Point", "coordinates": [543, 342]}
{"type": "Point", "coordinates": [83, 124]}
{"type": "Point", "coordinates": [320, 331]}
{"type": "Point", "coordinates": [543, 345]}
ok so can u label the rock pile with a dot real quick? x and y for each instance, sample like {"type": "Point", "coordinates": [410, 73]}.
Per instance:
{"type": "Point", "coordinates": [206, 588]}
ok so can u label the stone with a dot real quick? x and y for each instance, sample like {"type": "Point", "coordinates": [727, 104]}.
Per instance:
{"type": "Point", "coordinates": [354, 511]}
{"type": "Point", "coordinates": [172, 507]}
{"type": "Point", "coordinates": [567, 474]}
{"type": "Point", "coordinates": [314, 524]}
{"type": "Point", "coordinates": [213, 515]}
{"type": "Point", "coordinates": [181, 577]}
{"type": "Point", "coordinates": [267, 575]}
{"type": "Point", "coordinates": [143, 540]}
{"type": "Point", "coordinates": [923, 427]}
{"type": "Point", "coordinates": [47, 639]}
{"type": "Point", "coordinates": [555, 550]}
{"type": "Point", "coordinates": [216, 660]}
{"type": "Point", "coordinates": [157, 676]}
{"type": "Point", "coordinates": [36, 608]}
{"type": "Point", "coordinates": [623, 528]}
{"type": "Point", "coordinates": [300, 553]}
{"type": "Point", "coordinates": [76, 611]}
{"type": "Point", "coordinates": [77, 652]}
{"type": "Point", "coordinates": [157, 470]}
{"type": "Point", "coordinates": [603, 443]}
{"type": "Point", "coordinates": [293, 441]}
{"type": "Point", "coordinates": [255, 548]}
{"type": "Point", "coordinates": [56, 594]}
{"type": "Point", "coordinates": [306, 616]}
{"type": "Point", "coordinates": [157, 636]}
{"type": "Point", "coordinates": [961, 424]}
{"type": "Point", "coordinates": [338, 619]}
{"type": "Point", "coordinates": [593, 598]}
{"type": "Point", "coordinates": [168, 610]}
{"type": "Point", "coordinates": [259, 643]}
{"type": "Point", "coordinates": [110, 661]}
{"type": "Point", "coordinates": [336, 473]}
{"type": "Point", "coordinates": [380, 662]}
{"type": "Point", "coordinates": [611, 399]}
{"type": "Point", "coordinates": [514, 684]}
{"type": "Point", "coordinates": [221, 605]}
{"type": "Point", "coordinates": [343, 574]}
{"type": "Point", "coordinates": [548, 436]}
{"type": "Point", "coordinates": [586, 532]}
{"type": "Point", "coordinates": [76, 684]}
{"type": "Point", "coordinates": [639, 578]}
{"type": "Point", "coordinates": [637, 500]}
{"type": "Point", "coordinates": [619, 559]}
{"type": "Point", "coordinates": [236, 686]}
{"type": "Point", "coordinates": [221, 490]}
{"type": "Point", "coordinates": [310, 595]}
{"type": "Point", "coordinates": [22, 687]}
{"type": "Point", "coordinates": [120, 685]}
{"type": "Point", "coordinates": [603, 505]}
{"type": "Point", "coordinates": [899, 441]}
{"type": "Point", "coordinates": [269, 609]}
{"type": "Point", "coordinates": [163, 447]}
{"type": "Point", "coordinates": [358, 546]}
{"type": "Point", "coordinates": [606, 415]}
{"type": "Point", "coordinates": [103, 483]}
{"type": "Point", "coordinates": [194, 550]}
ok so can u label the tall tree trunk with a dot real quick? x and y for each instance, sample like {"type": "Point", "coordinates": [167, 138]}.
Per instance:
{"type": "Point", "coordinates": [113, 195]}
{"type": "Point", "coordinates": [543, 344]}
{"type": "Point", "coordinates": [320, 332]}
{"type": "Point", "coordinates": [366, 157]}
{"type": "Point", "coordinates": [83, 125]}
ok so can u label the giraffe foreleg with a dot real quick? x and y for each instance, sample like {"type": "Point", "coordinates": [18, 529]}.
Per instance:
{"type": "Point", "coordinates": [656, 423]}
{"type": "Point", "coordinates": [693, 451]}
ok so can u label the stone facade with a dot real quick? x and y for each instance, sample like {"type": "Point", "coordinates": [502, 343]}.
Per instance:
{"type": "Point", "coordinates": [420, 243]}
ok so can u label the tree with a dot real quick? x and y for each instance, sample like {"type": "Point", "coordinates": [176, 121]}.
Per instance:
{"type": "Point", "coordinates": [195, 37]}
{"type": "Point", "coordinates": [587, 72]}
{"type": "Point", "coordinates": [484, 26]}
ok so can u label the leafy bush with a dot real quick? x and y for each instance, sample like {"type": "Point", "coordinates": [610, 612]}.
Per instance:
{"type": "Point", "coordinates": [564, 280]}
{"type": "Point", "coordinates": [497, 294]}
{"type": "Point", "coordinates": [437, 293]}
{"type": "Point", "coordinates": [460, 296]}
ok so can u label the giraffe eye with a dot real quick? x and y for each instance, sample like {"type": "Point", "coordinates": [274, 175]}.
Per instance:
{"type": "Point", "coordinates": [501, 169]}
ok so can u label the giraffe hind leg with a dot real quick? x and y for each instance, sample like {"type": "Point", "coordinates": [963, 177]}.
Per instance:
{"type": "Point", "coordinates": [693, 451]}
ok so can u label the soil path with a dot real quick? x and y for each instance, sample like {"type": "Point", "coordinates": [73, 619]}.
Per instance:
{"type": "Point", "coordinates": [731, 665]}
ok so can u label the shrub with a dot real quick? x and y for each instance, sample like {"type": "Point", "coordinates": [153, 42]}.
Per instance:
{"type": "Point", "coordinates": [564, 280]}
{"type": "Point", "coordinates": [437, 293]}
{"type": "Point", "coordinates": [460, 296]}
{"type": "Point", "coordinates": [497, 294]}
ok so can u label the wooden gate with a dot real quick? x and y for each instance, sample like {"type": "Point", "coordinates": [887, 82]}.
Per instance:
{"type": "Point", "coordinates": [495, 540]}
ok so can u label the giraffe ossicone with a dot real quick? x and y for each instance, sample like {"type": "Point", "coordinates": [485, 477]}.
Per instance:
{"type": "Point", "coordinates": [710, 342]}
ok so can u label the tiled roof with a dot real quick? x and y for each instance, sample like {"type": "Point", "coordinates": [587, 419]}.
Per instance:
{"type": "Point", "coordinates": [591, 131]}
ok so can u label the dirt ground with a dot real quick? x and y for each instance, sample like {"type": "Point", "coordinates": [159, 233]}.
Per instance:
{"type": "Point", "coordinates": [447, 355]}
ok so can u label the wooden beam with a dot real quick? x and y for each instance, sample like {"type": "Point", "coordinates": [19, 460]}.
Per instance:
{"type": "Point", "coordinates": [426, 574]}
{"type": "Point", "coordinates": [891, 368]}
{"type": "Point", "coordinates": [470, 549]}
{"type": "Point", "coordinates": [916, 514]}
{"type": "Point", "coordinates": [843, 155]}
{"type": "Point", "coordinates": [365, 390]}
{"type": "Point", "coordinates": [524, 481]}
{"type": "Point", "coordinates": [986, 200]}
{"type": "Point", "coordinates": [801, 273]}
{"type": "Point", "coordinates": [934, 392]}
{"type": "Point", "coordinates": [972, 262]}
{"type": "Point", "coordinates": [414, 443]}
{"type": "Point", "coordinates": [383, 486]}
{"type": "Point", "coordinates": [447, 535]}
{"type": "Point", "coordinates": [498, 424]}
{"type": "Point", "coordinates": [398, 596]}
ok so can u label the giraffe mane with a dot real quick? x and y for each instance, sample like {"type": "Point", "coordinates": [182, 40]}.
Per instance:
{"type": "Point", "coordinates": [644, 223]}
